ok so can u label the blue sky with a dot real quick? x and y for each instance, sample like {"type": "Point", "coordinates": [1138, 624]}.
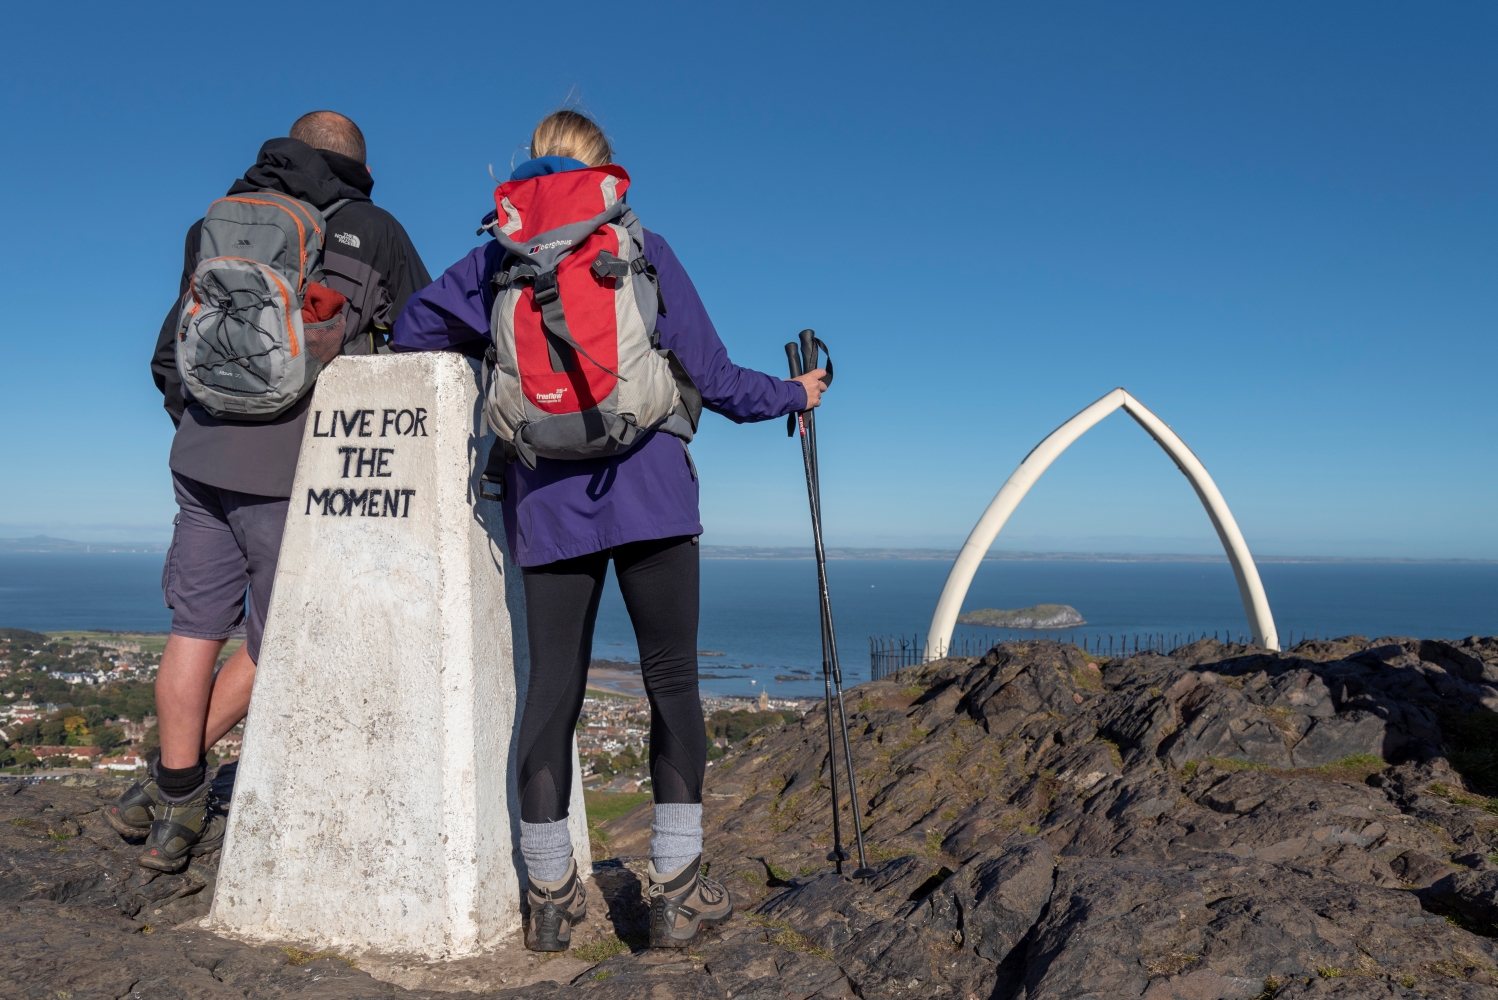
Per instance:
{"type": "Point", "coordinates": [1273, 223]}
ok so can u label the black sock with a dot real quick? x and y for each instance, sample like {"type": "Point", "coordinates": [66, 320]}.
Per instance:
{"type": "Point", "coordinates": [180, 782]}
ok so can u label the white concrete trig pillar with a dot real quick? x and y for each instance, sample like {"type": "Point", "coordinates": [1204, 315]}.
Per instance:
{"type": "Point", "coordinates": [375, 808]}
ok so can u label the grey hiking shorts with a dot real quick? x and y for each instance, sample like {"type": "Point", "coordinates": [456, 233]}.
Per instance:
{"type": "Point", "coordinates": [219, 570]}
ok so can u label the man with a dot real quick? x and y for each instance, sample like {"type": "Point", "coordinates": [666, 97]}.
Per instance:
{"type": "Point", "coordinates": [233, 480]}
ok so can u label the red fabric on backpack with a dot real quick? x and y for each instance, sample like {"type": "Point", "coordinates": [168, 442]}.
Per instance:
{"type": "Point", "coordinates": [321, 303]}
{"type": "Point", "coordinates": [542, 204]}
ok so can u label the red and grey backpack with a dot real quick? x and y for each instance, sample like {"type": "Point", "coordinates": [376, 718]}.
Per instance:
{"type": "Point", "coordinates": [576, 369]}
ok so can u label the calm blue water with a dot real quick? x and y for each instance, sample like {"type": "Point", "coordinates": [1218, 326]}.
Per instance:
{"type": "Point", "coordinates": [764, 612]}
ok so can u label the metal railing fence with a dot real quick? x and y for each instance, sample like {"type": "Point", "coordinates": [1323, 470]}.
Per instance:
{"type": "Point", "coordinates": [888, 653]}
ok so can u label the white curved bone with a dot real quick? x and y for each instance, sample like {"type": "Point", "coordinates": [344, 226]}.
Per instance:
{"type": "Point", "coordinates": [1255, 604]}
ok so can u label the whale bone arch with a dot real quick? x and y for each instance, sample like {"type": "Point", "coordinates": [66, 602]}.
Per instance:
{"type": "Point", "coordinates": [1250, 588]}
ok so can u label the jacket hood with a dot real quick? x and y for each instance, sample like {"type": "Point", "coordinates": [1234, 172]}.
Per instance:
{"type": "Point", "coordinates": [317, 176]}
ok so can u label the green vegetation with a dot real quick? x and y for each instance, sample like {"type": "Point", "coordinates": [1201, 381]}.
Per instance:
{"type": "Point", "coordinates": [781, 933]}
{"type": "Point", "coordinates": [1037, 616]}
{"type": "Point", "coordinates": [625, 760]}
{"type": "Point", "coordinates": [594, 692]}
{"type": "Point", "coordinates": [933, 842]}
{"type": "Point", "coordinates": [295, 956]}
{"type": "Point", "coordinates": [1358, 760]}
{"type": "Point", "coordinates": [133, 700]}
{"type": "Point", "coordinates": [606, 806]}
{"type": "Point", "coordinates": [1229, 764]}
{"type": "Point", "coordinates": [17, 757]}
{"type": "Point", "coordinates": [736, 725]}
{"type": "Point", "coordinates": [72, 727]}
{"type": "Point", "coordinates": [600, 950]}
{"type": "Point", "coordinates": [1114, 753]}
{"type": "Point", "coordinates": [151, 643]}
{"type": "Point", "coordinates": [1458, 797]}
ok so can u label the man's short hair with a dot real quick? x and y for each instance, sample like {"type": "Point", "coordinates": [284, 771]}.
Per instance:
{"type": "Point", "coordinates": [331, 131]}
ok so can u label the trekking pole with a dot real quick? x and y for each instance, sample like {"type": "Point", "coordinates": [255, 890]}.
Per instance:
{"type": "Point", "coordinates": [831, 667]}
{"type": "Point", "coordinates": [795, 421]}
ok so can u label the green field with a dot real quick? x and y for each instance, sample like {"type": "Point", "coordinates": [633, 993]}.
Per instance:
{"type": "Point", "coordinates": [605, 806]}
{"type": "Point", "coordinates": [594, 692]}
{"type": "Point", "coordinates": [150, 642]}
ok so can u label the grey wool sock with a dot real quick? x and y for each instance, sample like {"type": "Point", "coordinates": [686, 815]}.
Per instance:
{"type": "Point", "coordinates": [675, 835]}
{"type": "Point", "coordinates": [546, 848]}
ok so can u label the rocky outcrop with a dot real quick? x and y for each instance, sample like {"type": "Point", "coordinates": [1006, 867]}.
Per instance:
{"type": "Point", "coordinates": [1223, 822]}
{"type": "Point", "coordinates": [1039, 616]}
{"type": "Point", "coordinates": [1220, 823]}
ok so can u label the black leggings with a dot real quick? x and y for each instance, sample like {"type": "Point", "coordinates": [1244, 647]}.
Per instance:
{"type": "Point", "coordinates": [659, 582]}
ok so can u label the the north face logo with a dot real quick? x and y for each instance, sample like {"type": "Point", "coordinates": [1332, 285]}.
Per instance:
{"type": "Point", "coordinates": [550, 397]}
{"type": "Point", "coordinates": [347, 239]}
{"type": "Point", "coordinates": [243, 243]}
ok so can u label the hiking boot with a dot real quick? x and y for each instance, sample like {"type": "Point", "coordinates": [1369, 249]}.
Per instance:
{"type": "Point", "coordinates": [556, 907]}
{"type": "Point", "coordinates": [132, 813]}
{"type": "Point", "coordinates": [682, 903]}
{"type": "Point", "coordinates": [182, 830]}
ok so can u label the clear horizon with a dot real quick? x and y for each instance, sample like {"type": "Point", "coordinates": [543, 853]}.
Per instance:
{"type": "Point", "coordinates": [1273, 225]}
{"type": "Point", "coordinates": [718, 551]}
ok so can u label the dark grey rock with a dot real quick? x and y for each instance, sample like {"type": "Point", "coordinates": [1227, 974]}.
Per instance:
{"type": "Point", "coordinates": [1347, 734]}
{"type": "Point", "coordinates": [1471, 896]}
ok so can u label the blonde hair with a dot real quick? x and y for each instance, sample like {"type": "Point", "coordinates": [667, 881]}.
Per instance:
{"type": "Point", "coordinates": [570, 133]}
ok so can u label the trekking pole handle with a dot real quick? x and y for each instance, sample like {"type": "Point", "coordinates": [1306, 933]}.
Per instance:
{"type": "Point", "coordinates": [792, 355]}
{"type": "Point", "coordinates": [809, 356]}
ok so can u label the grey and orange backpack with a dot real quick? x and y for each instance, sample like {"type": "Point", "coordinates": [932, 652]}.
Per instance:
{"type": "Point", "coordinates": [256, 324]}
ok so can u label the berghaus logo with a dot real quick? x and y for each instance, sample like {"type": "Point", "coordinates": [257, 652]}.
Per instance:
{"type": "Point", "coordinates": [549, 246]}
{"type": "Point", "coordinates": [550, 397]}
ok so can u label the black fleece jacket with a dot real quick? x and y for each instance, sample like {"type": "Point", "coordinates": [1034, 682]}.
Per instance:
{"type": "Point", "coordinates": [368, 256]}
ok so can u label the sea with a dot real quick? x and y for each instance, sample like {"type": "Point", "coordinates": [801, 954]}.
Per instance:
{"type": "Point", "coordinates": [759, 618]}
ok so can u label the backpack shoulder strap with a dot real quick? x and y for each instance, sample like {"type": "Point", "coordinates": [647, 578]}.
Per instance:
{"type": "Point", "coordinates": [327, 213]}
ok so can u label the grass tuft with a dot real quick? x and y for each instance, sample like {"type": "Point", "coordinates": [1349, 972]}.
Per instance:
{"type": "Point", "coordinates": [600, 950]}
{"type": "Point", "coordinates": [1229, 764]}
{"type": "Point", "coordinates": [933, 841]}
{"type": "Point", "coordinates": [780, 933]}
{"type": "Point", "coordinates": [1271, 987]}
{"type": "Point", "coordinates": [296, 956]}
{"type": "Point", "coordinates": [1357, 762]}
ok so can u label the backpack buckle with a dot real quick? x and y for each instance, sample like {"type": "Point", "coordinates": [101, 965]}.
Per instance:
{"type": "Point", "coordinates": [546, 290]}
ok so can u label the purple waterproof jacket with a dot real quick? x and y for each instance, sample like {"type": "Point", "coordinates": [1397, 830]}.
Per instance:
{"type": "Point", "coordinates": [564, 509]}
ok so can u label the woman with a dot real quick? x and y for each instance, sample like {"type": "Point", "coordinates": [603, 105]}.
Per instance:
{"type": "Point", "coordinates": [564, 521]}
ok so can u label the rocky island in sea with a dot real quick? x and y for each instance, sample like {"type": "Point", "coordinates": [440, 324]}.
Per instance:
{"type": "Point", "coordinates": [1223, 822]}
{"type": "Point", "coordinates": [1037, 616]}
